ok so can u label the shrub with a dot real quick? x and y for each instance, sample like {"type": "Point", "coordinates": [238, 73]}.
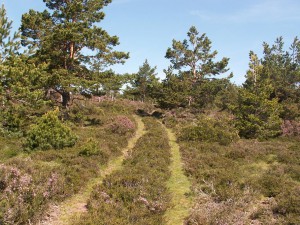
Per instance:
{"type": "Point", "coordinates": [289, 203]}
{"type": "Point", "coordinates": [210, 130]}
{"type": "Point", "coordinates": [22, 195]}
{"type": "Point", "coordinates": [50, 132]}
{"type": "Point", "coordinates": [91, 148]}
{"type": "Point", "coordinates": [121, 125]}
{"type": "Point", "coordinates": [290, 128]}
{"type": "Point", "coordinates": [257, 116]}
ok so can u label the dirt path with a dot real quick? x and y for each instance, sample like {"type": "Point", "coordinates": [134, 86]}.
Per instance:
{"type": "Point", "coordinates": [179, 186]}
{"type": "Point", "coordinates": [63, 213]}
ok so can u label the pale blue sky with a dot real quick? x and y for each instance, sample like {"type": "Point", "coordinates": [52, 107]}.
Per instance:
{"type": "Point", "coordinates": [146, 27]}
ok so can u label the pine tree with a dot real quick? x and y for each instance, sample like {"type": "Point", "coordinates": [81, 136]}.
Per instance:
{"type": "Point", "coordinates": [176, 90]}
{"type": "Point", "coordinates": [21, 80]}
{"type": "Point", "coordinates": [144, 82]}
{"type": "Point", "coordinates": [196, 54]}
{"type": "Point", "coordinates": [257, 111]}
{"type": "Point", "coordinates": [283, 69]}
{"type": "Point", "coordinates": [63, 35]}
{"type": "Point", "coordinates": [109, 83]}
{"type": "Point", "coordinates": [195, 62]}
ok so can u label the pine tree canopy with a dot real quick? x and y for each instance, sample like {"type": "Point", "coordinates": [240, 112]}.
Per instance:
{"type": "Point", "coordinates": [67, 37]}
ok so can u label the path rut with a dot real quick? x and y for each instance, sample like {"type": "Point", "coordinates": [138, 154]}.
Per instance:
{"type": "Point", "coordinates": [179, 186]}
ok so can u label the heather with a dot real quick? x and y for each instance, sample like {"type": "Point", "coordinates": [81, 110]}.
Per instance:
{"type": "Point", "coordinates": [137, 194]}
{"type": "Point", "coordinates": [33, 180]}
{"type": "Point", "coordinates": [82, 141]}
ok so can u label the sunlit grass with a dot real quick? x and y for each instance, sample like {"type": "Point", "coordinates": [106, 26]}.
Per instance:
{"type": "Point", "coordinates": [179, 187]}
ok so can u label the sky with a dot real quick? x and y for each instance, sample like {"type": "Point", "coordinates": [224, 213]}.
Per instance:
{"type": "Point", "coordinates": [146, 28]}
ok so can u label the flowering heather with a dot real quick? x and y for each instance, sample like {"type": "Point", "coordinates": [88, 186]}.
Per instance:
{"type": "Point", "coordinates": [290, 128]}
{"type": "Point", "coordinates": [17, 193]}
{"type": "Point", "coordinates": [121, 125]}
{"type": "Point", "coordinates": [21, 196]}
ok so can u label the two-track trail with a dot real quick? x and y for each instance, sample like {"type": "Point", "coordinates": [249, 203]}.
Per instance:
{"type": "Point", "coordinates": [179, 186]}
{"type": "Point", "coordinates": [63, 213]}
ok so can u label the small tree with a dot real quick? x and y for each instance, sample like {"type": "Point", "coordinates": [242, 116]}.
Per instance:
{"type": "Point", "coordinates": [257, 111]}
{"type": "Point", "coordinates": [282, 68]}
{"type": "Point", "coordinates": [144, 81]}
{"type": "Point", "coordinates": [50, 132]}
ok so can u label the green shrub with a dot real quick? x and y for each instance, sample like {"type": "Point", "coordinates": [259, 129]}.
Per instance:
{"type": "Point", "coordinates": [271, 183]}
{"type": "Point", "coordinates": [210, 130]}
{"type": "Point", "coordinates": [91, 148]}
{"type": "Point", "coordinates": [257, 116]}
{"type": "Point", "coordinates": [50, 132]}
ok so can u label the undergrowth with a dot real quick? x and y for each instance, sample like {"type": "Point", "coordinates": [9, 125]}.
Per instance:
{"type": "Point", "coordinates": [31, 180]}
{"type": "Point", "coordinates": [137, 194]}
{"type": "Point", "coordinates": [244, 182]}
{"type": "Point", "coordinates": [237, 181]}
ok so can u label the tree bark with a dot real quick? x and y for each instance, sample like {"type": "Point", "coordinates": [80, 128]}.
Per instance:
{"type": "Point", "coordinates": [66, 97]}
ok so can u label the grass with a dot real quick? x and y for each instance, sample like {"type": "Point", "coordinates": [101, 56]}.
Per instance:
{"type": "Point", "coordinates": [76, 205]}
{"type": "Point", "coordinates": [9, 147]}
{"type": "Point", "coordinates": [179, 187]}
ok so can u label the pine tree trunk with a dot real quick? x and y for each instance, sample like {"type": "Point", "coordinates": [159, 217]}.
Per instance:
{"type": "Point", "coordinates": [66, 97]}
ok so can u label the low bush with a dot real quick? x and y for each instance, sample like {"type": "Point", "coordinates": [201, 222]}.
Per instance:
{"type": "Point", "coordinates": [50, 132]}
{"type": "Point", "coordinates": [210, 130]}
{"type": "Point", "coordinates": [290, 128]}
{"type": "Point", "coordinates": [23, 196]}
{"type": "Point", "coordinates": [92, 148]}
{"type": "Point", "coordinates": [121, 125]}
{"type": "Point", "coordinates": [288, 204]}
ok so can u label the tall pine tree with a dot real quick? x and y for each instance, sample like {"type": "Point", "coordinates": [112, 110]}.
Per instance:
{"type": "Point", "coordinates": [196, 55]}
{"type": "Point", "coordinates": [68, 39]}
{"type": "Point", "coordinates": [196, 63]}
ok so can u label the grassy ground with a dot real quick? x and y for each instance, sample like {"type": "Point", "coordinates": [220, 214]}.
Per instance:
{"type": "Point", "coordinates": [237, 181]}
{"type": "Point", "coordinates": [245, 182]}
{"type": "Point", "coordinates": [179, 187]}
